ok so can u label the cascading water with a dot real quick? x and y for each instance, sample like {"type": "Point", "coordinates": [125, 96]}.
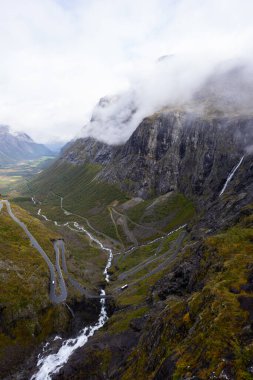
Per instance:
{"type": "Point", "coordinates": [231, 175]}
{"type": "Point", "coordinates": [108, 250]}
{"type": "Point", "coordinates": [52, 363]}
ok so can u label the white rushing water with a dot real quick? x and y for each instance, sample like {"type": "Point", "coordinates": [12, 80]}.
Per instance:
{"type": "Point", "coordinates": [39, 213]}
{"type": "Point", "coordinates": [108, 250]}
{"type": "Point", "coordinates": [52, 363]}
{"type": "Point", "coordinates": [231, 175]}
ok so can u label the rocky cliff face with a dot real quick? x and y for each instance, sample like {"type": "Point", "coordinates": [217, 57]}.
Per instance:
{"type": "Point", "coordinates": [180, 151]}
{"type": "Point", "coordinates": [171, 151]}
{"type": "Point", "coordinates": [88, 150]}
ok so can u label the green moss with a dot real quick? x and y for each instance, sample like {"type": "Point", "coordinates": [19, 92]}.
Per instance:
{"type": "Point", "coordinates": [120, 321]}
{"type": "Point", "coordinates": [83, 195]}
{"type": "Point", "coordinates": [135, 213]}
{"type": "Point", "coordinates": [204, 331]}
{"type": "Point", "coordinates": [169, 211]}
{"type": "Point", "coordinates": [27, 316]}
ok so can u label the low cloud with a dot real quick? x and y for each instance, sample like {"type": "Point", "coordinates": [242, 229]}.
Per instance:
{"type": "Point", "coordinates": [59, 57]}
{"type": "Point", "coordinates": [224, 88]}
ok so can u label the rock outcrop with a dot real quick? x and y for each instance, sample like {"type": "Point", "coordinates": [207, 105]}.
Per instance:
{"type": "Point", "coordinates": [88, 150]}
{"type": "Point", "coordinates": [171, 150]}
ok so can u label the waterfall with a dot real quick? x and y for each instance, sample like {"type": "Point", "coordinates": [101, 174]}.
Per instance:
{"type": "Point", "coordinates": [231, 175]}
{"type": "Point", "coordinates": [52, 363]}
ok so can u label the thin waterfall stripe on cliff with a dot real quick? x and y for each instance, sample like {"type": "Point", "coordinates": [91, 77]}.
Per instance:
{"type": "Point", "coordinates": [231, 175]}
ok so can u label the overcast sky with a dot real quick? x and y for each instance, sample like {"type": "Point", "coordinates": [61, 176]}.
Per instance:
{"type": "Point", "coordinates": [58, 57]}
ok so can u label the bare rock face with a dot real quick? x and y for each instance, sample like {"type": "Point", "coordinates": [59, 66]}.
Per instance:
{"type": "Point", "coordinates": [189, 147]}
{"type": "Point", "coordinates": [171, 151]}
{"type": "Point", "coordinates": [180, 151]}
{"type": "Point", "coordinates": [88, 150]}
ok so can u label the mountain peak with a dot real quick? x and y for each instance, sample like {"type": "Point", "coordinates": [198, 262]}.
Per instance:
{"type": "Point", "coordinates": [15, 146]}
{"type": "Point", "coordinates": [23, 136]}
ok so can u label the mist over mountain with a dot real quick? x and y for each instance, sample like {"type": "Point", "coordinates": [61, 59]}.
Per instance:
{"type": "Point", "coordinates": [225, 89]}
{"type": "Point", "coordinates": [16, 146]}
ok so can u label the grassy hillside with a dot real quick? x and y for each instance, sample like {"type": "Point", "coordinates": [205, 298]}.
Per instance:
{"type": "Point", "coordinates": [212, 327]}
{"type": "Point", "coordinates": [86, 197]}
{"type": "Point", "coordinates": [201, 328]}
{"type": "Point", "coordinates": [83, 195]}
{"type": "Point", "coordinates": [26, 315]}
{"type": "Point", "coordinates": [181, 291]}
{"type": "Point", "coordinates": [77, 184]}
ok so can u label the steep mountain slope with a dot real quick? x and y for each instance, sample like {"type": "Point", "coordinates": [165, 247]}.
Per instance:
{"type": "Point", "coordinates": [19, 146]}
{"type": "Point", "coordinates": [193, 318]}
{"type": "Point", "coordinates": [171, 151]}
{"type": "Point", "coordinates": [180, 151]}
{"type": "Point", "coordinates": [27, 317]}
{"type": "Point", "coordinates": [189, 146]}
{"type": "Point", "coordinates": [195, 322]}
{"type": "Point", "coordinates": [192, 289]}
{"type": "Point", "coordinates": [115, 115]}
{"type": "Point", "coordinates": [175, 204]}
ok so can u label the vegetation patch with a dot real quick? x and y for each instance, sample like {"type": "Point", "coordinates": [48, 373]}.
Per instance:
{"type": "Point", "coordinates": [27, 316]}
{"type": "Point", "coordinates": [208, 333]}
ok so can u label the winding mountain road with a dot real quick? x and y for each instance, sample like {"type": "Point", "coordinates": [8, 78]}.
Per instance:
{"type": "Point", "coordinates": [170, 256]}
{"type": "Point", "coordinates": [59, 247]}
{"type": "Point", "coordinates": [52, 293]}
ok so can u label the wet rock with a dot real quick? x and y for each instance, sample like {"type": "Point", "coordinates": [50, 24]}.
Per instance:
{"type": "Point", "coordinates": [249, 286]}
{"type": "Point", "coordinates": [100, 358]}
{"type": "Point", "coordinates": [175, 282]}
{"type": "Point", "coordinates": [246, 303]}
{"type": "Point", "coordinates": [138, 324]}
{"type": "Point", "coordinates": [167, 369]}
{"type": "Point", "coordinates": [234, 290]}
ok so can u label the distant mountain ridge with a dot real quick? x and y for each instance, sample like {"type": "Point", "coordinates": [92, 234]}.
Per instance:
{"type": "Point", "coordinates": [15, 146]}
